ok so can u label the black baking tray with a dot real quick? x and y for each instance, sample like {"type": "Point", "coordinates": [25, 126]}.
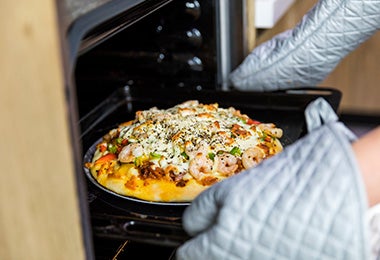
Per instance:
{"type": "Point", "coordinates": [130, 219]}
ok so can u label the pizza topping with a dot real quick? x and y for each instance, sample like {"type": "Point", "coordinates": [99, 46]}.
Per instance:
{"type": "Point", "coordinates": [105, 158]}
{"type": "Point", "coordinates": [150, 170]}
{"type": "Point", "coordinates": [270, 129]}
{"type": "Point", "coordinates": [184, 146]}
{"type": "Point", "coordinates": [235, 151]}
{"type": "Point", "coordinates": [130, 152]}
{"type": "Point", "coordinates": [227, 164]}
{"type": "Point", "coordinates": [252, 156]}
{"type": "Point", "coordinates": [200, 166]}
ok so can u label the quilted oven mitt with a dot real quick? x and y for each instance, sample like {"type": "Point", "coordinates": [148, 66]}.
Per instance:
{"type": "Point", "coordinates": [308, 202]}
{"type": "Point", "coordinates": [305, 55]}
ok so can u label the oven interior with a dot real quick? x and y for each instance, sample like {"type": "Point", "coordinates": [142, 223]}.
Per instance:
{"type": "Point", "coordinates": [171, 55]}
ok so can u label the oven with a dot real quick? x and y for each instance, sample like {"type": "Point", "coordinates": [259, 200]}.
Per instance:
{"type": "Point", "coordinates": [124, 56]}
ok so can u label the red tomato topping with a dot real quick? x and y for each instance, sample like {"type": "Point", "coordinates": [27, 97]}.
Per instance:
{"type": "Point", "coordinates": [253, 122]}
{"type": "Point", "coordinates": [106, 158]}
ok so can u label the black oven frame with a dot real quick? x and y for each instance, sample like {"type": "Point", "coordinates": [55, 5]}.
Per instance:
{"type": "Point", "coordinates": [111, 18]}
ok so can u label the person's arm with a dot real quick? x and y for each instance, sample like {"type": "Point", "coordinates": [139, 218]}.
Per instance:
{"type": "Point", "coordinates": [309, 201]}
{"type": "Point", "coordinates": [306, 54]}
{"type": "Point", "coordinates": [367, 152]}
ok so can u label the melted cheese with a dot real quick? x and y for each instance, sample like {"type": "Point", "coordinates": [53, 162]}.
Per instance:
{"type": "Point", "coordinates": [170, 139]}
{"type": "Point", "coordinates": [184, 128]}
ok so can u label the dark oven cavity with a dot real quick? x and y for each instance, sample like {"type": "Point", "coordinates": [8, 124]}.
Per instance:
{"type": "Point", "coordinates": [176, 46]}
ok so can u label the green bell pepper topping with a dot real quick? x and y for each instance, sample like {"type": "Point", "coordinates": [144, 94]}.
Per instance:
{"type": "Point", "coordinates": [211, 156]}
{"type": "Point", "coordinates": [235, 151]}
{"type": "Point", "coordinates": [185, 155]}
{"type": "Point", "coordinates": [112, 148]}
{"type": "Point", "coordinates": [155, 155]}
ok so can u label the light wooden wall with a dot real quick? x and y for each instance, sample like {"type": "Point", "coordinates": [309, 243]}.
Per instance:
{"type": "Point", "coordinates": [357, 76]}
{"type": "Point", "coordinates": [39, 216]}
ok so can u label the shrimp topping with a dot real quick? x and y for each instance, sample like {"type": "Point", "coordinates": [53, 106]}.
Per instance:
{"type": "Point", "coordinates": [252, 156]}
{"type": "Point", "coordinates": [227, 164]}
{"type": "Point", "coordinates": [200, 166]}
{"type": "Point", "coordinates": [130, 152]}
{"type": "Point", "coordinates": [270, 129]}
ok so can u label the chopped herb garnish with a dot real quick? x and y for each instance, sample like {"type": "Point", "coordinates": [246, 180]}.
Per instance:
{"type": "Point", "coordinates": [185, 155]}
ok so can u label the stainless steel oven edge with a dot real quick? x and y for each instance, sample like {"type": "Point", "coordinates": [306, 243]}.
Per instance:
{"type": "Point", "coordinates": [231, 19]}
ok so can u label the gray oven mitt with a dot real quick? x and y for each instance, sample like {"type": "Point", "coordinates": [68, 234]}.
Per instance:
{"type": "Point", "coordinates": [305, 55]}
{"type": "Point", "coordinates": [308, 202]}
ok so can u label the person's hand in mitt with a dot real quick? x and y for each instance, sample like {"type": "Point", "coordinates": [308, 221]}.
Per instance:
{"type": "Point", "coordinates": [305, 55]}
{"type": "Point", "coordinates": [308, 202]}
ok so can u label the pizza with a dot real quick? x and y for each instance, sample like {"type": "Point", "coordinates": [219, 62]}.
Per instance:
{"type": "Point", "coordinates": [173, 154]}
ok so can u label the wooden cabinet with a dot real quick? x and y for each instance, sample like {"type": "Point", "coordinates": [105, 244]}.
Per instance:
{"type": "Point", "coordinates": [39, 211]}
{"type": "Point", "coordinates": [357, 76]}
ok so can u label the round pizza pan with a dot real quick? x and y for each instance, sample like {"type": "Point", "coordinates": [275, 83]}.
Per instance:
{"type": "Point", "coordinates": [88, 158]}
{"type": "Point", "coordinates": [131, 204]}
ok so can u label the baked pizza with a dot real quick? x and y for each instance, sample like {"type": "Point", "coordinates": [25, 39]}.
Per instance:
{"type": "Point", "coordinates": [171, 155]}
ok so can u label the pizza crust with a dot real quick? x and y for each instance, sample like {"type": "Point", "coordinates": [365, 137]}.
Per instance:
{"type": "Point", "coordinates": [156, 190]}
